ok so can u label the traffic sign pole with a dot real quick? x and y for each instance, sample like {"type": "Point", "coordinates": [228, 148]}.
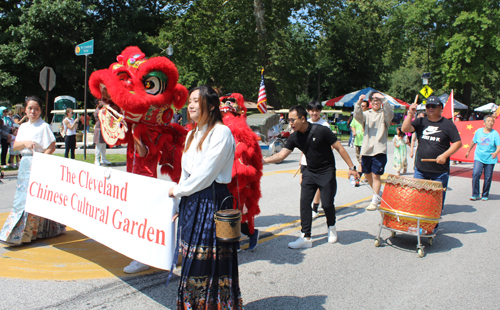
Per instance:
{"type": "Point", "coordinates": [85, 49]}
{"type": "Point", "coordinates": [85, 112]}
{"type": "Point", "coordinates": [47, 97]}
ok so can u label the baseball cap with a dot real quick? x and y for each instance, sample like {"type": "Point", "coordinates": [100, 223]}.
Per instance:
{"type": "Point", "coordinates": [3, 108]}
{"type": "Point", "coordinates": [434, 100]}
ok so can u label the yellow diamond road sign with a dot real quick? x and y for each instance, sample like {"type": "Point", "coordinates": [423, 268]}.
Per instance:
{"type": "Point", "coordinates": [426, 91]}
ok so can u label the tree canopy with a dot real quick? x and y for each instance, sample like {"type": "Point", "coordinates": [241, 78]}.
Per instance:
{"type": "Point", "coordinates": [310, 50]}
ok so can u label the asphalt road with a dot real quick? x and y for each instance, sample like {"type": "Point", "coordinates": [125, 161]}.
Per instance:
{"type": "Point", "coordinates": [459, 271]}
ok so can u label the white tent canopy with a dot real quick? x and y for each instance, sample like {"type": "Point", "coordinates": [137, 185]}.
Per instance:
{"type": "Point", "coordinates": [490, 107]}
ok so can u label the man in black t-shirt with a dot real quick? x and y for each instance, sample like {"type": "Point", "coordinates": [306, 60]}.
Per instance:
{"type": "Point", "coordinates": [438, 139]}
{"type": "Point", "coordinates": [316, 142]}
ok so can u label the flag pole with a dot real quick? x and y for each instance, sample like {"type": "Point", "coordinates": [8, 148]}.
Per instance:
{"type": "Point", "coordinates": [452, 102]}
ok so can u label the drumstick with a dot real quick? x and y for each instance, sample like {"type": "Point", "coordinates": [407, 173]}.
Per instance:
{"type": "Point", "coordinates": [429, 160]}
{"type": "Point", "coordinates": [296, 172]}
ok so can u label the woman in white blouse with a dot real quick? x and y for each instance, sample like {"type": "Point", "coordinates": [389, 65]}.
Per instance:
{"type": "Point", "coordinates": [33, 136]}
{"type": "Point", "coordinates": [70, 126]}
{"type": "Point", "coordinates": [209, 275]}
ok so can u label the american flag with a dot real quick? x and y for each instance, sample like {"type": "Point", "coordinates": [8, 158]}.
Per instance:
{"type": "Point", "coordinates": [261, 102]}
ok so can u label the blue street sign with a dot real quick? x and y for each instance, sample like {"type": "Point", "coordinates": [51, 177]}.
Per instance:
{"type": "Point", "coordinates": [85, 48]}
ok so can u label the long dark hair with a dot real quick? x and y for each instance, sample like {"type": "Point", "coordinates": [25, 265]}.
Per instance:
{"type": "Point", "coordinates": [400, 132]}
{"type": "Point", "coordinates": [208, 97]}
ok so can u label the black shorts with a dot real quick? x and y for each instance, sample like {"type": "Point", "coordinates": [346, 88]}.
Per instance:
{"type": "Point", "coordinates": [375, 164]}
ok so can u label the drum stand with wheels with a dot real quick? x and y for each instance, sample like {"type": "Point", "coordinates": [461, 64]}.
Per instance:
{"type": "Point", "coordinates": [413, 231]}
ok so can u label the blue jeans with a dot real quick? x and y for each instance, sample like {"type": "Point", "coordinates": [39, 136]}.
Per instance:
{"type": "Point", "coordinates": [441, 177]}
{"type": "Point", "coordinates": [350, 138]}
{"type": "Point", "coordinates": [476, 175]}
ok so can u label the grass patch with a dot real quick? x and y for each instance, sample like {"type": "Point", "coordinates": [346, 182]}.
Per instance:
{"type": "Point", "coordinates": [9, 168]}
{"type": "Point", "coordinates": [114, 158]}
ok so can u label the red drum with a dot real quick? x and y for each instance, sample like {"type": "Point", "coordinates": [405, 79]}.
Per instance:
{"type": "Point", "coordinates": [412, 197]}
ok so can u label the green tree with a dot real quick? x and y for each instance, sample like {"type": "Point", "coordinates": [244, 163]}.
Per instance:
{"type": "Point", "coordinates": [462, 41]}
{"type": "Point", "coordinates": [226, 44]}
{"type": "Point", "coordinates": [470, 46]}
{"type": "Point", "coordinates": [44, 35]}
{"type": "Point", "coordinates": [353, 45]}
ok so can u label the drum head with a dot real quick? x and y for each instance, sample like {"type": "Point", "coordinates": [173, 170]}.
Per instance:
{"type": "Point", "coordinates": [414, 183]}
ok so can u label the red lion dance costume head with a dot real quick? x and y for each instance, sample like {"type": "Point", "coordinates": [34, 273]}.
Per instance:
{"type": "Point", "coordinates": [247, 166]}
{"type": "Point", "coordinates": [142, 91]}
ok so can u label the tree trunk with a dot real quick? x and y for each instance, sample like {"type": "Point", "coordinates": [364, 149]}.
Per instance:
{"type": "Point", "coordinates": [467, 94]}
{"type": "Point", "coordinates": [259, 13]}
{"type": "Point", "coordinates": [319, 85]}
{"type": "Point", "coordinates": [260, 27]}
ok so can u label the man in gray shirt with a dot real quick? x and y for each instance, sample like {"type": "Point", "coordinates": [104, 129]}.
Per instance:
{"type": "Point", "coordinates": [375, 124]}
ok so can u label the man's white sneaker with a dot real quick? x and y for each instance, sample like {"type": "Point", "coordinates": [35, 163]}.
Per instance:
{"type": "Point", "coordinates": [315, 215]}
{"type": "Point", "coordinates": [105, 161]}
{"type": "Point", "coordinates": [135, 267]}
{"type": "Point", "coordinates": [97, 163]}
{"type": "Point", "coordinates": [301, 243]}
{"type": "Point", "coordinates": [332, 234]}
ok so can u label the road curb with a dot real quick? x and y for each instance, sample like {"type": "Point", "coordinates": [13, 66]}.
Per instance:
{"type": "Point", "coordinates": [9, 172]}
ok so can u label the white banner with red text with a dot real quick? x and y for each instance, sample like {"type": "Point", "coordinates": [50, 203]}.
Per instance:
{"type": "Point", "coordinates": [126, 212]}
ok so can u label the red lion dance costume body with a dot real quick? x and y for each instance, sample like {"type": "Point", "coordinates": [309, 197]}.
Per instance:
{"type": "Point", "coordinates": [144, 90]}
{"type": "Point", "coordinates": [247, 166]}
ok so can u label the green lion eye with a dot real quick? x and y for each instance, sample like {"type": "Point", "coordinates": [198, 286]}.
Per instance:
{"type": "Point", "coordinates": [155, 82]}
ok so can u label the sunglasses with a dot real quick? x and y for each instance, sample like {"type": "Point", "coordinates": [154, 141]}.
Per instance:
{"type": "Point", "coordinates": [431, 106]}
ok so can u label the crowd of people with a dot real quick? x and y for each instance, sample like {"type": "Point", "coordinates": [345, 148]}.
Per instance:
{"type": "Point", "coordinates": [209, 272]}
{"type": "Point", "coordinates": [9, 125]}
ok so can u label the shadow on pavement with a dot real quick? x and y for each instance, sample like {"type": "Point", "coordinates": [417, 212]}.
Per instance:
{"type": "Point", "coordinates": [288, 302]}
{"type": "Point", "coordinates": [276, 253]}
{"type": "Point", "coordinates": [452, 209]}
{"type": "Point", "coordinates": [345, 213]}
{"type": "Point", "coordinates": [150, 282]}
{"type": "Point", "coordinates": [454, 227]}
{"type": "Point", "coordinates": [346, 237]}
{"type": "Point", "coordinates": [443, 242]}
{"type": "Point", "coordinates": [407, 243]}
{"type": "Point", "coordinates": [154, 286]}
{"type": "Point", "coordinates": [78, 244]}
{"type": "Point", "coordinates": [270, 220]}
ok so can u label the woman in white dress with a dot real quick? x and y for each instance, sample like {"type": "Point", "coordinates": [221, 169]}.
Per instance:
{"type": "Point", "coordinates": [33, 136]}
{"type": "Point", "coordinates": [209, 275]}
